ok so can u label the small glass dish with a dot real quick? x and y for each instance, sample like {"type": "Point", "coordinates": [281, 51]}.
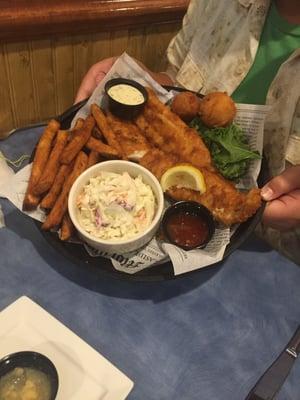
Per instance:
{"type": "Point", "coordinates": [34, 361]}
{"type": "Point", "coordinates": [188, 224]}
{"type": "Point", "coordinates": [126, 98]}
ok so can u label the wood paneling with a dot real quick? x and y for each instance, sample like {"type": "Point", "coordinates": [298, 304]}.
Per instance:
{"type": "Point", "coordinates": [155, 42]}
{"type": "Point", "coordinates": [20, 77]}
{"type": "Point", "coordinates": [63, 61]}
{"type": "Point", "coordinates": [39, 78]}
{"type": "Point", "coordinates": [44, 78]}
{"type": "Point", "coordinates": [7, 119]}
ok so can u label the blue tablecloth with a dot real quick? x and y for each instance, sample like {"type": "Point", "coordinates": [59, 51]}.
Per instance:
{"type": "Point", "coordinates": [208, 335]}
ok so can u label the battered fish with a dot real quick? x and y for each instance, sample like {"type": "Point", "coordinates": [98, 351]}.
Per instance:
{"type": "Point", "coordinates": [227, 204]}
{"type": "Point", "coordinates": [166, 131]}
{"type": "Point", "coordinates": [158, 162]}
{"type": "Point", "coordinates": [134, 145]}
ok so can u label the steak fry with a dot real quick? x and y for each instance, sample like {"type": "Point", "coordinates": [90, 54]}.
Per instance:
{"type": "Point", "coordinates": [102, 148]}
{"type": "Point", "coordinates": [56, 214]}
{"type": "Point", "coordinates": [50, 198]}
{"type": "Point", "coordinates": [94, 158]}
{"type": "Point", "coordinates": [42, 152]}
{"type": "Point", "coordinates": [52, 166]}
{"type": "Point", "coordinates": [105, 129]}
{"type": "Point", "coordinates": [79, 139]}
{"type": "Point", "coordinates": [67, 228]}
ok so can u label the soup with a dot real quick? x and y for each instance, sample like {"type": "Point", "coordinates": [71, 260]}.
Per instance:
{"type": "Point", "coordinates": [25, 384]}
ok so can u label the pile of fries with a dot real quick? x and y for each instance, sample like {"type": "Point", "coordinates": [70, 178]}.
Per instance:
{"type": "Point", "coordinates": [60, 157]}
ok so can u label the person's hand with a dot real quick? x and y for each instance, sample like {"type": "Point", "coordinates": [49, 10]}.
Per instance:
{"type": "Point", "coordinates": [98, 71]}
{"type": "Point", "coordinates": [93, 77]}
{"type": "Point", "coordinates": [282, 211]}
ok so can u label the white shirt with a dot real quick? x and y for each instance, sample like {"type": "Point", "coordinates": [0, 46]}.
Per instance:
{"type": "Point", "coordinates": [214, 51]}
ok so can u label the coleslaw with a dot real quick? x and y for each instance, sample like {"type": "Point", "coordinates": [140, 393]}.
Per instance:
{"type": "Point", "coordinates": [114, 206]}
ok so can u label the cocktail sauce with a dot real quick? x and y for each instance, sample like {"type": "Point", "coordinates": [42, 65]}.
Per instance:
{"type": "Point", "coordinates": [186, 229]}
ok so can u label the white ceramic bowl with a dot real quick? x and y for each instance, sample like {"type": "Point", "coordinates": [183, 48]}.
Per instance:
{"type": "Point", "coordinates": [117, 166]}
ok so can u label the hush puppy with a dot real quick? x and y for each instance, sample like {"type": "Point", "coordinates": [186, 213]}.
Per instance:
{"type": "Point", "coordinates": [217, 109]}
{"type": "Point", "coordinates": [186, 105]}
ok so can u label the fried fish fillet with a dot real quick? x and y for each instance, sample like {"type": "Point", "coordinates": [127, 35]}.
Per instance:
{"type": "Point", "coordinates": [133, 143]}
{"type": "Point", "coordinates": [227, 204]}
{"type": "Point", "coordinates": [166, 131]}
{"type": "Point", "coordinates": [158, 162]}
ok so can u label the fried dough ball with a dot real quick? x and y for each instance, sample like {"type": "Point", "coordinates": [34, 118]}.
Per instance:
{"type": "Point", "coordinates": [186, 105]}
{"type": "Point", "coordinates": [217, 109]}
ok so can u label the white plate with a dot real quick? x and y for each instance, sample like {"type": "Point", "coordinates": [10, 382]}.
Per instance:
{"type": "Point", "coordinates": [83, 372]}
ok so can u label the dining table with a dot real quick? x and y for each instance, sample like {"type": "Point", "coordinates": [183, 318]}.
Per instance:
{"type": "Point", "coordinates": [207, 334]}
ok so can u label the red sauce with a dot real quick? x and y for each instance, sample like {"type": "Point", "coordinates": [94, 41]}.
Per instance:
{"type": "Point", "coordinates": [186, 229]}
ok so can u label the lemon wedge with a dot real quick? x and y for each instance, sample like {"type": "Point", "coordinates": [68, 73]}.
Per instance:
{"type": "Point", "coordinates": [183, 176]}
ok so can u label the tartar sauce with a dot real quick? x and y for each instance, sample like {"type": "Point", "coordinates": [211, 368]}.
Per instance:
{"type": "Point", "coordinates": [115, 206]}
{"type": "Point", "coordinates": [126, 94]}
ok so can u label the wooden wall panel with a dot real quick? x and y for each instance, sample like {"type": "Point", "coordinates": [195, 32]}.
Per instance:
{"type": "Point", "coordinates": [63, 62]}
{"type": "Point", "coordinates": [20, 77]}
{"type": "Point", "coordinates": [39, 78]}
{"type": "Point", "coordinates": [100, 47]}
{"type": "Point", "coordinates": [44, 78]}
{"type": "Point", "coordinates": [82, 54]}
{"type": "Point", "coordinates": [136, 43]}
{"type": "Point", "coordinates": [119, 42]}
{"type": "Point", "coordinates": [156, 40]}
{"type": "Point", "coordinates": [7, 120]}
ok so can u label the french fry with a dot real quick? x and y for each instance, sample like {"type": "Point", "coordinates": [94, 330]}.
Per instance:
{"type": "Point", "coordinates": [42, 152]}
{"type": "Point", "coordinates": [94, 158]}
{"type": "Point", "coordinates": [78, 125]}
{"type": "Point", "coordinates": [79, 139]}
{"type": "Point", "coordinates": [105, 128]}
{"type": "Point", "coordinates": [105, 150]}
{"type": "Point", "coordinates": [56, 214]}
{"type": "Point", "coordinates": [30, 201]}
{"type": "Point", "coordinates": [96, 133]}
{"type": "Point", "coordinates": [47, 178]}
{"type": "Point", "coordinates": [67, 228]}
{"type": "Point", "coordinates": [49, 200]}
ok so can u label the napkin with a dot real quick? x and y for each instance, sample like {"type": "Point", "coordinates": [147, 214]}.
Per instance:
{"type": "Point", "coordinates": [14, 190]}
{"type": "Point", "coordinates": [5, 173]}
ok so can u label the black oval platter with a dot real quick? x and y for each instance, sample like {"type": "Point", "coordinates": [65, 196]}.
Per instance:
{"type": "Point", "coordinates": [103, 266]}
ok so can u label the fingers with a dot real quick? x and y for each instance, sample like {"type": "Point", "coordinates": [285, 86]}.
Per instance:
{"type": "Point", "coordinates": [93, 77]}
{"type": "Point", "coordinates": [283, 213]}
{"type": "Point", "coordinates": [284, 183]}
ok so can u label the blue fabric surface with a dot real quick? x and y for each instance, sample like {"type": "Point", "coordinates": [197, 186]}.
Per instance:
{"type": "Point", "coordinates": [209, 335]}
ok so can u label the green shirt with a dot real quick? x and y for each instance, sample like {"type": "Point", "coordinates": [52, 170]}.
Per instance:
{"type": "Point", "coordinates": [278, 41]}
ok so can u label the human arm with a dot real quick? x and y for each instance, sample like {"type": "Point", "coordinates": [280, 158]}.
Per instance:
{"type": "Point", "coordinates": [283, 196]}
{"type": "Point", "coordinates": [98, 71]}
